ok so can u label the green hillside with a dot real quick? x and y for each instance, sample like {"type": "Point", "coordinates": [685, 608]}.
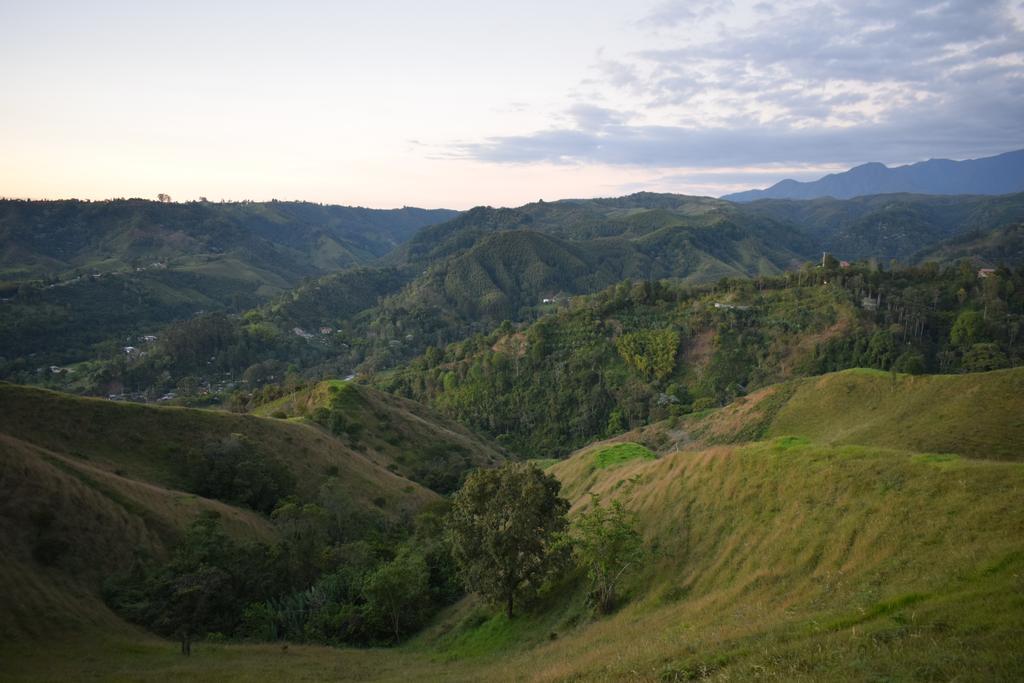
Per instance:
{"type": "Point", "coordinates": [784, 558]}
{"type": "Point", "coordinates": [395, 433]}
{"type": "Point", "coordinates": [292, 239]}
{"type": "Point", "coordinates": [67, 524]}
{"type": "Point", "coordinates": [102, 499]}
{"type": "Point", "coordinates": [976, 415]}
{"type": "Point", "coordinates": [991, 248]}
{"type": "Point", "coordinates": [76, 273]}
{"type": "Point", "coordinates": [639, 353]}
{"type": "Point", "coordinates": [488, 265]}
{"type": "Point", "coordinates": [891, 226]}
{"type": "Point", "coordinates": [447, 282]}
{"type": "Point", "coordinates": [182, 448]}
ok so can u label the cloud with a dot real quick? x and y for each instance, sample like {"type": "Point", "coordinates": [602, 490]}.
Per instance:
{"type": "Point", "coordinates": [676, 12]}
{"type": "Point", "coordinates": [805, 82]}
{"type": "Point", "coordinates": [668, 146]}
{"type": "Point", "coordinates": [593, 117]}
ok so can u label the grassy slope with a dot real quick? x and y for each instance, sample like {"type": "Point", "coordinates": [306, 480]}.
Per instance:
{"type": "Point", "coordinates": [145, 442]}
{"type": "Point", "coordinates": [97, 521]}
{"type": "Point", "coordinates": [778, 561]}
{"type": "Point", "coordinates": [791, 560]}
{"type": "Point", "coordinates": [976, 415]}
{"type": "Point", "coordinates": [94, 482]}
{"type": "Point", "coordinates": [398, 434]}
{"type": "Point", "coordinates": [785, 559]}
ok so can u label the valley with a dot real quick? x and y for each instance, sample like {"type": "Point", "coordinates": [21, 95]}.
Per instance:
{"type": "Point", "coordinates": [781, 551]}
{"type": "Point", "coordinates": [819, 461]}
{"type": "Point", "coordinates": [666, 341]}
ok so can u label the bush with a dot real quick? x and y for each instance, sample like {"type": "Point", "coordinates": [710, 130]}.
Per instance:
{"type": "Point", "coordinates": [984, 357]}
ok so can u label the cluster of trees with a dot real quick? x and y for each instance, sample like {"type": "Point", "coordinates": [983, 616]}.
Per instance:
{"type": "Point", "coordinates": [234, 470]}
{"type": "Point", "coordinates": [364, 584]}
{"type": "Point", "coordinates": [634, 352]}
{"type": "Point", "coordinates": [930, 319]}
{"type": "Point", "coordinates": [643, 351]}
{"type": "Point", "coordinates": [505, 535]}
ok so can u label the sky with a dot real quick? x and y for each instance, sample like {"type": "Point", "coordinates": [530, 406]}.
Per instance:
{"type": "Point", "coordinates": [457, 103]}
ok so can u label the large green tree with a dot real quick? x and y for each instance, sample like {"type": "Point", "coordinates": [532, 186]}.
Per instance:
{"type": "Point", "coordinates": [505, 526]}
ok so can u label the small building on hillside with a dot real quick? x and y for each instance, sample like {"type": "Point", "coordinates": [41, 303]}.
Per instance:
{"type": "Point", "coordinates": [986, 272]}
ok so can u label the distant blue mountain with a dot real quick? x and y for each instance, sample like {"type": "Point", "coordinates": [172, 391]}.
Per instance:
{"type": "Point", "coordinates": [1000, 174]}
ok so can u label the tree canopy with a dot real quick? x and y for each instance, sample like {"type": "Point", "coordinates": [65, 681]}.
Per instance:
{"type": "Point", "coordinates": [505, 525]}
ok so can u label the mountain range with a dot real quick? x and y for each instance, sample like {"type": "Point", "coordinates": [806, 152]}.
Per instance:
{"type": "Point", "coordinates": [1001, 174]}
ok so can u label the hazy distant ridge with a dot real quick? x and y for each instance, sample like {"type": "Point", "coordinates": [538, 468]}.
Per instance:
{"type": "Point", "coordinates": [1000, 174]}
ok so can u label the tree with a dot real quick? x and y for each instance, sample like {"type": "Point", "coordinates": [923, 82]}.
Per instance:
{"type": "Point", "coordinates": [606, 544]}
{"type": "Point", "coordinates": [398, 591]}
{"type": "Point", "coordinates": [968, 329]}
{"type": "Point", "coordinates": [304, 529]}
{"type": "Point", "coordinates": [164, 198]}
{"type": "Point", "coordinates": [195, 598]}
{"type": "Point", "coordinates": [504, 526]}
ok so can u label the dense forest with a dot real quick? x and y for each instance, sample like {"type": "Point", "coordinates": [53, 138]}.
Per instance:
{"type": "Point", "coordinates": [75, 274]}
{"type": "Point", "coordinates": [642, 351]}
{"type": "Point", "coordinates": [176, 330]}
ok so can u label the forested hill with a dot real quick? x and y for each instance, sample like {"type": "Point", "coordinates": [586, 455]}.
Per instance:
{"type": "Point", "coordinates": [891, 226]}
{"type": "Point", "coordinates": [109, 507]}
{"type": "Point", "coordinates": [636, 353]}
{"type": "Point", "coordinates": [986, 247]}
{"type": "Point", "coordinates": [285, 240]}
{"type": "Point", "coordinates": [447, 282]}
{"type": "Point", "coordinates": [488, 265]}
{"type": "Point", "coordinates": [628, 217]}
{"type": "Point", "coordinates": [74, 274]}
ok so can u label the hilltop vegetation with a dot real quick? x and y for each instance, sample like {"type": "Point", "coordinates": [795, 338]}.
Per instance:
{"type": "Point", "coordinates": [288, 239]}
{"type": "Point", "coordinates": [636, 353]}
{"type": "Point", "coordinates": [449, 281]}
{"type": "Point", "coordinates": [398, 434]}
{"type": "Point", "coordinates": [487, 265]}
{"type": "Point", "coordinates": [991, 248]}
